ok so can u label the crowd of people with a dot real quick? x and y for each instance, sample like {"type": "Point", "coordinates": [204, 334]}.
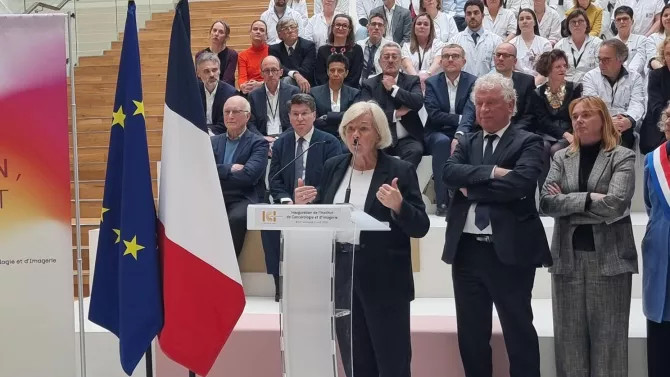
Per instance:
{"type": "Point", "coordinates": [507, 96]}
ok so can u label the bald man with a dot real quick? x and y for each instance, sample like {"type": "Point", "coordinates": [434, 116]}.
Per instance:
{"type": "Point", "coordinates": [241, 161]}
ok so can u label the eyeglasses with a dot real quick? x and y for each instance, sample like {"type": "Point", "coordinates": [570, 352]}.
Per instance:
{"type": "Point", "coordinates": [290, 28]}
{"type": "Point", "coordinates": [300, 115]}
{"type": "Point", "coordinates": [604, 60]}
{"type": "Point", "coordinates": [271, 71]}
{"type": "Point", "coordinates": [341, 26]}
{"type": "Point", "coordinates": [577, 22]}
{"type": "Point", "coordinates": [376, 25]}
{"type": "Point", "coordinates": [451, 56]}
{"type": "Point", "coordinates": [233, 112]}
{"type": "Point", "coordinates": [503, 55]}
{"type": "Point", "coordinates": [622, 19]}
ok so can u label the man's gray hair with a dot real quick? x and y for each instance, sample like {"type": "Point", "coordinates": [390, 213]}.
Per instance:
{"type": "Point", "coordinates": [284, 22]}
{"type": "Point", "coordinates": [492, 80]}
{"type": "Point", "coordinates": [619, 47]}
{"type": "Point", "coordinates": [387, 45]}
{"type": "Point", "coordinates": [245, 103]}
{"type": "Point", "coordinates": [208, 57]}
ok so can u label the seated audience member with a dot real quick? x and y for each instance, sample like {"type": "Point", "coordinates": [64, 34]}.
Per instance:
{"type": "Point", "coordinates": [399, 20]}
{"type": "Point", "coordinates": [648, 14]}
{"type": "Point", "coordinates": [363, 12]}
{"type": "Point", "coordinates": [296, 55]}
{"type": "Point", "coordinates": [640, 48]}
{"type": "Point", "coordinates": [371, 46]}
{"type": "Point", "coordinates": [306, 169]}
{"type": "Point", "coordinates": [505, 61]}
{"type": "Point", "coordinates": [249, 60]}
{"type": "Point", "coordinates": [658, 95]}
{"type": "Point", "coordinates": [529, 44]}
{"type": "Point", "coordinates": [456, 9]}
{"type": "Point", "coordinates": [319, 25]}
{"type": "Point", "coordinates": [498, 20]}
{"type": "Point", "coordinates": [622, 90]}
{"type": "Point", "coordinates": [594, 15]}
{"type": "Point", "coordinates": [658, 37]}
{"type": "Point", "coordinates": [219, 34]}
{"type": "Point", "coordinates": [241, 160]}
{"type": "Point", "coordinates": [214, 93]}
{"type": "Point", "coordinates": [580, 47]}
{"type": "Point", "coordinates": [477, 42]}
{"type": "Point", "coordinates": [269, 115]}
{"type": "Point", "coordinates": [299, 6]}
{"type": "Point", "coordinates": [340, 41]}
{"type": "Point", "coordinates": [401, 98]}
{"type": "Point", "coordinates": [279, 12]}
{"type": "Point", "coordinates": [421, 55]}
{"type": "Point", "coordinates": [334, 98]}
{"type": "Point", "coordinates": [550, 104]}
{"type": "Point", "coordinates": [341, 6]}
{"type": "Point", "coordinates": [447, 95]}
{"type": "Point", "coordinates": [588, 193]}
{"type": "Point", "coordinates": [549, 21]}
{"type": "Point", "coordinates": [445, 26]}
{"type": "Point", "coordinates": [514, 5]}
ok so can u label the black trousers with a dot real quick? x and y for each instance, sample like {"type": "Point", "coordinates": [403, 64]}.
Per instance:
{"type": "Point", "coordinates": [237, 218]}
{"type": "Point", "coordinates": [658, 343]}
{"type": "Point", "coordinates": [481, 280]}
{"type": "Point", "coordinates": [376, 333]}
{"type": "Point", "coordinates": [408, 149]}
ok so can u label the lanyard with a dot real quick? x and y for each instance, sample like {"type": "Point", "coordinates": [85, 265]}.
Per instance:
{"type": "Point", "coordinates": [579, 59]}
{"type": "Point", "coordinates": [418, 52]}
{"type": "Point", "coordinates": [273, 112]}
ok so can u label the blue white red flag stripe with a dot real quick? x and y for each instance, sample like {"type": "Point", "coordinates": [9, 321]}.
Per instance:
{"type": "Point", "coordinates": [659, 172]}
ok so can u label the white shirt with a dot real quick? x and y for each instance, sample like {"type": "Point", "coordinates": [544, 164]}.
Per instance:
{"type": "Point", "coordinates": [298, 6]}
{"type": "Point", "coordinates": [643, 13]}
{"type": "Point", "coordinates": [627, 96]}
{"type": "Point", "coordinates": [527, 56]}
{"type": "Point", "coordinates": [274, 120]}
{"type": "Point", "coordinates": [504, 23]}
{"type": "Point", "coordinates": [640, 50]}
{"type": "Point", "coordinates": [335, 104]}
{"type": "Point", "coordinates": [360, 186]}
{"type": "Point", "coordinates": [452, 88]}
{"type": "Point", "coordinates": [516, 5]}
{"type": "Point", "coordinates": [364, 7]}
{"type": "Point", "coordinates": [271, 19]}
{"type": "Point", "coordinates": [479, 58]}
{"type": "Point", "coordinates": [305, 145]}
{"type": "Point", "coordinates": [580, 60]}
{"type": "Point", "coordinates": [550, 24]}
{"type": "Point", "coordinates": [209, 99]}
{"type": "Point", "coordinates": [470, 226]}
{"type": "Point", "coordinates": [317, 30]}
{"type": "Point", "coordinates": [445, 26]}
{"type": "Point", "coordinates": [427, 57]}
{"type": "Point", "coordinates": [389, 19]}
{"type": "Point", "coordinates": [400, 130]}
{"type": "Point", "coordinates": [341, 7]}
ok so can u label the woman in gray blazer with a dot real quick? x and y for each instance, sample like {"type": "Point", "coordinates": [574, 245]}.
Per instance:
{"type": "Point", "coordinates": [588, 192]}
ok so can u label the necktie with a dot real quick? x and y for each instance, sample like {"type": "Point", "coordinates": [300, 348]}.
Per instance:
{"type": "Point", "coordinates": [475, 37]}
{"type": "Point", "coordinates": [290, 51]}
{"type": "Point", "coordinates": [299, 165]}
{"type": "Point", "coordinates": [482, 217]}
{"type": "Point", "coordinates": [370, 65]}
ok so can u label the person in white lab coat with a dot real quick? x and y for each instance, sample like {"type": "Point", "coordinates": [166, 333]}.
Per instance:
{"type": "Point", "coordinates": [647, 15]}
{"type": "Point", "coordinates": [529, 44]}
{"type": "Point", "coordinates": [580, 47]}
{"type": "Point", "coordinates": [318, 25]}
{"type": "Point", "coordinates": [445, 26]}
{"type": "Point", "coordinates": [655, 61]}
{"type": "Point", "coordinates": [479, 44]}
{"type": "Point", "coordinates": [499, 20]}
{"type": "Point", "coordinates": [549, 20]}
{"type": "Point", "coordinates": [421, 56]}
{"type": "Point", "coordinates": [639, 46]}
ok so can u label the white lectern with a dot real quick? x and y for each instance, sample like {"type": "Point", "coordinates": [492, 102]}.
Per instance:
{"type": "Point", "coordinates": [316, 300]}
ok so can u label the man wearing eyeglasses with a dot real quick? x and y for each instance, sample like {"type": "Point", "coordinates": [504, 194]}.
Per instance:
{"type": "Point", "coordinates": [296, 56]}
{"type": "Point", "coordinates": [241, 161]}
{"type": "Point", "coordinates": [279, 12]}
{"type": "Point", "coordinates": [372, 45]}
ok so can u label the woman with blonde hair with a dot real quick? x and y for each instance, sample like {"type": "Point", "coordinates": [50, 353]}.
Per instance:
{"type": "Point", "coordinates": [658, 95]}
{"type": "Point", "coordinates": [421, 56]}
{"type": "Point", "coordinates": [588, 192]}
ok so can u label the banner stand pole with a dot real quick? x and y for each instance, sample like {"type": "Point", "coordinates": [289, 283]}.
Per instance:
{"type": "Point", "coordinates": [75, 162]}
{"type": "Point", "coordinates": [191, 374]}
{"type": "Point", "coordinates": [148, 359]}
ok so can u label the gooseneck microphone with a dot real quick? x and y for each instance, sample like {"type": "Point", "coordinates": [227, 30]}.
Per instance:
{"type": "Point", "coordinates": [347, 193]}
{"type": "Point", "coordinates": [267, 189]}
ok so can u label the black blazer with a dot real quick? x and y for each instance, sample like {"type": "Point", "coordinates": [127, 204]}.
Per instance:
{"type": "Point", "coordinates": [283, 151]}
{"type": "Point", "coordinates": [550, 121]}
{"type": "Point", "coordinates": [518, 233]}
{"type": "Point", "coordinates": [353, 53]}
{"type": "Point", "coordinates": [302, 60]}
{"type": "Point", "coordinates": [438, 106]}
{"type": "Point", "coordinates": [524, 85]}
{"type": "Point", "coordinates": [258, 100]}
{"type": "Point", "coordinates": [321, 94]}
{"type": "Point", "coordinates": [383, 266]}
{"type": "Point", "coordinates": [252, 152]}
{"type": "Point", "coordinates": [223, 92]}
{"type": "Point", "coordinates": [658, 95]}
{"type": "Point", "coordinates": [409, 95]}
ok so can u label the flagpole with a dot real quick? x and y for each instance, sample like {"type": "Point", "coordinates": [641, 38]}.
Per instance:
{"type": "Point", "coordinates": [191, 374]}
{"type": "Point", "coordinates": [148, 359]}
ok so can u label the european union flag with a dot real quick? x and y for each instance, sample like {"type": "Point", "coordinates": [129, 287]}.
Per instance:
{"type": "Point", "coordinates": [126, 296]}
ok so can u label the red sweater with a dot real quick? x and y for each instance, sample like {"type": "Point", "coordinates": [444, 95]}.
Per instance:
{"type": "Point", "coordinates": [249, 63]}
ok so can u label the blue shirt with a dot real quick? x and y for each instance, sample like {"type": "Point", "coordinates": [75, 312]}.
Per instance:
{"type": "Point", "coordinates": [231, 147]}
{"type": "Point", "coordinates": [455, 7]}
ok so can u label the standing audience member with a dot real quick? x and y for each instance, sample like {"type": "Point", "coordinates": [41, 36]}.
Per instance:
{"type": "Point", "coordinates": [498, 20]}
{"type": "Point", "coordinates": [549, 20]}
{"type": "Point", "coordinates": [640, 48]}
{"type": "Point", "coordinates": [319, 25]}
{"type": "Point", "coordinates": [398, 21]}
{"type": "Point", "coordinates": [219, 33]}
{"type": "Point", "coordinates": [241, 161]}
{"type": "Point", "coordinates": [249, 60]}
{"type": "Point", "coordinates": [371, 46]}
{"type": "Point", "coordinates": [648, 20]}
{"type": "Point", "coordinates": [421, 55]}
{"type": "Point", "coordinates": [580, 48]}
{"type": "Point", "coordinates": [524, 84]}
{"type": "Point", "coordinates": [495, 239]}
{"type": "Point", "coordinates": [655, 250]}
{"type": "Point", "coordinates": [296, 55]}
{"type": "Point", "coordinates": [279, 12]}
{"type": "Point", "coordinates": [529, 44]}
{"type": "Point", "coordinates": [588, 192]}
{"type": "Point", "coordinates": [340, 41]}
{"type": "Point", "coordinates": [214, 93]}
{"type": "Point", "coordinates": [658, 95]}
{"type": "Point", "coordinates": [400, 96]}
{"type": "Point", "coordinates": [594, 14]}
{"type": "Point", "coordinates": [445, 26]}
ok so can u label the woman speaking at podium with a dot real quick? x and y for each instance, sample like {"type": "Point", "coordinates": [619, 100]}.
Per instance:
{"type": "Point", "coordinates": [387, 189]}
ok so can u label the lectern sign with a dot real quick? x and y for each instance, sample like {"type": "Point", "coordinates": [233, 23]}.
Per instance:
{"type": "Point", "coordinates": [299, 216]}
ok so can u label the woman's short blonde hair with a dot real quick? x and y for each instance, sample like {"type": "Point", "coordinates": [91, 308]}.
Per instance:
{"type": "Point", "coordinates": [610, 135]}
{"type": "Point", "coordinates": [660, 51]}
{"type": "Point", "coordinates": [379, 121]}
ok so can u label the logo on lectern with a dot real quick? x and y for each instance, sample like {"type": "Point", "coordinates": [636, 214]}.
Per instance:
{"type": "Point", "coordinates": [269, 217]}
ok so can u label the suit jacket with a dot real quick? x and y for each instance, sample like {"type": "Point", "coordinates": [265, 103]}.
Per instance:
{"type": "Point", "coordinates": [550, 121]}
{"type": "Point", "coordinates": [409, 94]}
{"type": "Point", "coordinates": [321, 94]}
{"type": "Point", "coordinates": [401, 23]}
{"type": "Point", "coordinates": [438, 102]}
{"type": "Point", "coordinates": [658, 95]}
{"type": "Point", "coordinates": [518, 233]}
{"type": "Point", "coordinates": [383, 268]}
{"type": "Point", "coordinates": [223, 92]}
{"type": "Point", "coordinates": [613, 174]}
{"type": "Point", "coordinates": [302, 61]}
{"type": "Point", "coordinates": [283, 152]}
{"type": "Point", "coordinates": [252, 152]}
{"type": "Point", "coordinates": [258, 100]}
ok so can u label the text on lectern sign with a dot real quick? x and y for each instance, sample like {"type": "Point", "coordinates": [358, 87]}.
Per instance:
{"type": "Point", "coordinates": [299, 216]}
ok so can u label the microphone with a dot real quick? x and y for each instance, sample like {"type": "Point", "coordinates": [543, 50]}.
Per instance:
{"type": "Point", "coordinates": [347, 193]}
{"type": "Point", "coordinates": [267, 190]}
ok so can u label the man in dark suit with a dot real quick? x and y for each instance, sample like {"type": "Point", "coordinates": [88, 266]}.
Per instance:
{"type": "Point", "coordinates": [334, 98]}
{"type": "Point", "coordinates": [269, 115]}
{"type": "Point", "coordinates": [241, 160]}
{"type": "Point", "coordinates": [505, 60]}
{"type": "Point", "coordinates": [213, 92]}
{"type": "Point", "coordinates": [495, 239]}
{"type": "Point", "coordinates": [296, 55]}
{"type": "Point", "coordinates": [401, 98]}
{"type": "Point", "coordinates": [398, 21]}
{"type": "Point", "coordinates": [308, 167]}
{"type": "Point", "coordinates": [447, 95]}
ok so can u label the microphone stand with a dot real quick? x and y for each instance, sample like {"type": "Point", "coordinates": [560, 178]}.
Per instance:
{"type": "Point", "coordinates": [347, 193]}
{"type": "Point", "coordinates": [266, 198]}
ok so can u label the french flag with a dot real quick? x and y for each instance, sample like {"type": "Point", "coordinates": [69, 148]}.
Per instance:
{"type": "Point", "coordinates": [202, 287]}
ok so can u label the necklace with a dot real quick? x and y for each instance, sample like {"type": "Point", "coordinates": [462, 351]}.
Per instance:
{"type": "Point", "coordinates": [555, 100]}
